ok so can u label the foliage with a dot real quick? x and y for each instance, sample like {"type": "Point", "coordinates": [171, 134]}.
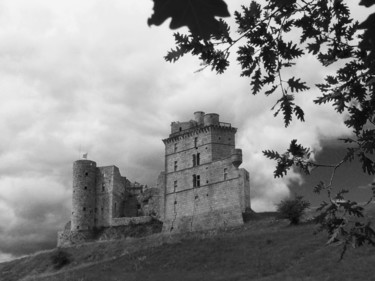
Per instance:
{"type": "Point", "coordinates": [272, 38]}
{"type": "Point", "coordinates": [292, 209]}
{"type": "Point", "coordinates": [60, 258]}
{"type": "Point", "coordinates": [198, 15]}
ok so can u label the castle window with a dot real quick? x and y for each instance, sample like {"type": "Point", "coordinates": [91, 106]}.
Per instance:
{"type": "Point", "coordinates": [175, 185]}
{"type": "Point", "coordinates": [180, 129]}
{"type": "Point", "coordinates": [225, 174]}
{"type": "Point", "coordinates": [85, 187]}
{"type": "Point", "coordinates": [196, 181]}
{"type": "Point", "coordinates": [102, 209]}
{"type": "Point", "coordinates": [103, 187]}
{"type": "Point", "coordinates": [175, 147]}
{"type": "Point", "coordinates": [84, 208]}
{"type": "Point", "coordinates": [175, 166]}
{"type": "Point", "coordinates": [196, 142]}
{"type": "Point", "coordinates": [86, 174]}
{"type": "Point", "coordinates": [194, 160]}
{"type": "Point", "coordinates": [115, 206]}
{"type": "Point", "coordinates": [198, 159]}
{"type": "Point", "coordinates": [77, 227]}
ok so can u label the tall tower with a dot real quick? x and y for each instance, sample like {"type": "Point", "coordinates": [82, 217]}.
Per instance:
{"type": "Point", "coordinates": [203, 185]}
{"type": "Point", "coordinates": [84, 195]}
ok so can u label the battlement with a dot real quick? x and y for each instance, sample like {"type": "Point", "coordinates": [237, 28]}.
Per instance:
{"type": "Point", "coordinates": [201, 121]}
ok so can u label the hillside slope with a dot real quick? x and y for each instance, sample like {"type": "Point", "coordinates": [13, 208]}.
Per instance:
{"type": "Point", "coordinates": [265, 250]}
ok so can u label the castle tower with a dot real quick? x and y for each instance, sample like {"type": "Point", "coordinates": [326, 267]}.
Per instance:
{"type": "Point", "coordinates": [203, 185]}
{"type": "Point", "coordinates": [84, 195]}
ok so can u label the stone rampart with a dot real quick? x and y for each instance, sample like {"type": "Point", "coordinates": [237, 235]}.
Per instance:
{"type": "Point", "coordinates": [131, 220]}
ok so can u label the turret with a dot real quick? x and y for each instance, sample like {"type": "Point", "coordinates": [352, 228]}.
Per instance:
{"type": "Point", "coordinates": [211, 119]}
{"type": "Point", "coordinates": [198, 117]}
{"type": "Point", "coordinates": [84, 194]}
{"type": "Point", "coordinates": [236, 157]}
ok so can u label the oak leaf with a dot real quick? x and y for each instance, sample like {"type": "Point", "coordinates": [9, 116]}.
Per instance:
{"type": "Point", "coordinates": [197, 15]}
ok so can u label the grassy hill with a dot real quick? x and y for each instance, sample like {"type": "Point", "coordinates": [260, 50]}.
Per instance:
{"type": "Point", "coordinates": [263, 249]}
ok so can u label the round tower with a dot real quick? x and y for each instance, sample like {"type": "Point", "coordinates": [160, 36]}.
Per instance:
{"type": "Point", "coordinates": [198, 116]}
{"type": "Point", "coordinates": [84, 193]}
{"type": "Point", "coordinates": [211, 119]}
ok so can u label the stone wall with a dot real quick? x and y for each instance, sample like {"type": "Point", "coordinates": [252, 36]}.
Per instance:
{"type": "Point", "coordinates": [104, 186]}
{"type": "Point", "coordinates": [65, 239]}
{"type": "Point", "coordinates": [128, 221]}
{"type": "Point", "coordinates": [150, 201]}
{"type": "Point", "coordinates": [210, 206]}
{"type": "Point", "coordinates": [122, 228]}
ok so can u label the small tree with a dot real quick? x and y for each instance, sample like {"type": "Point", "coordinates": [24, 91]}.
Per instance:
{"type": "Point", "coordinates": [292, 209]}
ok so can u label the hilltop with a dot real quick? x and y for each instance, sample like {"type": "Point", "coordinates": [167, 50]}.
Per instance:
{"type": "Point", "coordinates": [263, 249]}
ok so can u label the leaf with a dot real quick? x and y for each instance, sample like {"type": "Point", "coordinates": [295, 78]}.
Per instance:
{"type": "Point", "coordinates": [271, 154]}
{"type": "Point", "coordinates": [256, 82]}
{"type": "Point", "coordinates": [367, 3]}
{"type": "Point", "coordinates": [296, 85]}
{"type": "Point", "coordinates": [319, 187]}
{"type": "Point", "coordinates": [368, 166]}
{"type": "Point", "coordinates": [299, 113]}
{"type": "Point", "coordinates": [297, 150]}
{"type": "Point", "coordinates": [197, 15]}
{"type": "Point", "coordinates": [286, 106]}
{"type": "Point", "coordinates": [270, 91]}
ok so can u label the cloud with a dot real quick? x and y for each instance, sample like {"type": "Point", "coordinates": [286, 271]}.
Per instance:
{"type": "Point", "coordinates": [90, 76]}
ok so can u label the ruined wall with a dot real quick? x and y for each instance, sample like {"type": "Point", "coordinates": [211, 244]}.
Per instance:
{"type": "Point", "coordinates": [150, 201]}
{"type": "Point", "coordinates": [84, 195]}
{"type": "Point", "coordinates": [132, 220]}
{"type": "Point", "coordinates": [104, 182]}
{"type": "Point", "coordinates": [65, 239]}
{"type": "Point", "coordinates": [118, 193]}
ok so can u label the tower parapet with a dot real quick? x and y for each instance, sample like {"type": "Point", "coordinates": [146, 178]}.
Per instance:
{"type": "Point", "coordinates": [84, 195]}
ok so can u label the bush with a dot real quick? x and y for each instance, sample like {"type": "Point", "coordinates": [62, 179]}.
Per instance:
{"type": "Point", "coordinates": [60, 258]}
{"type": "Point", "coordinates": [292, 209]}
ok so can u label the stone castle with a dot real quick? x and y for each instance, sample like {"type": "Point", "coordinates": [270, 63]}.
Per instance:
{"type": "Point", "coordinates": [202, 186]}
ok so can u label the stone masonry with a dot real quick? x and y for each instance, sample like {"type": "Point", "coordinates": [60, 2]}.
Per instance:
{"type": "Point", "coordinates": [202, 186]}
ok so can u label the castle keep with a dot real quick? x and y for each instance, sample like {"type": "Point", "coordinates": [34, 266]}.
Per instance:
{"type": "Point", "coordinates": [202, 186]}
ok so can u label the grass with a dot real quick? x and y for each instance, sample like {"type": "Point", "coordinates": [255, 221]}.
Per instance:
{"type": "Point", "coordinates": [263, 249]}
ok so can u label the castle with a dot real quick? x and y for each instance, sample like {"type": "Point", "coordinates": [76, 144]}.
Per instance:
{"type": "Point", "coordinates": [202, 186]}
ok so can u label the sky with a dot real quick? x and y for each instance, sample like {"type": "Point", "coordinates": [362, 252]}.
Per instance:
{"type": "Point", "coordinates": [89, 76]}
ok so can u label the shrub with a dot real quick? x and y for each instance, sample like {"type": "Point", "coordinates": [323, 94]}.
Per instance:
{"type": "Point", "coordinates": [292, 209]}
{"type": "Point", "coordinates": [60, 258]}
